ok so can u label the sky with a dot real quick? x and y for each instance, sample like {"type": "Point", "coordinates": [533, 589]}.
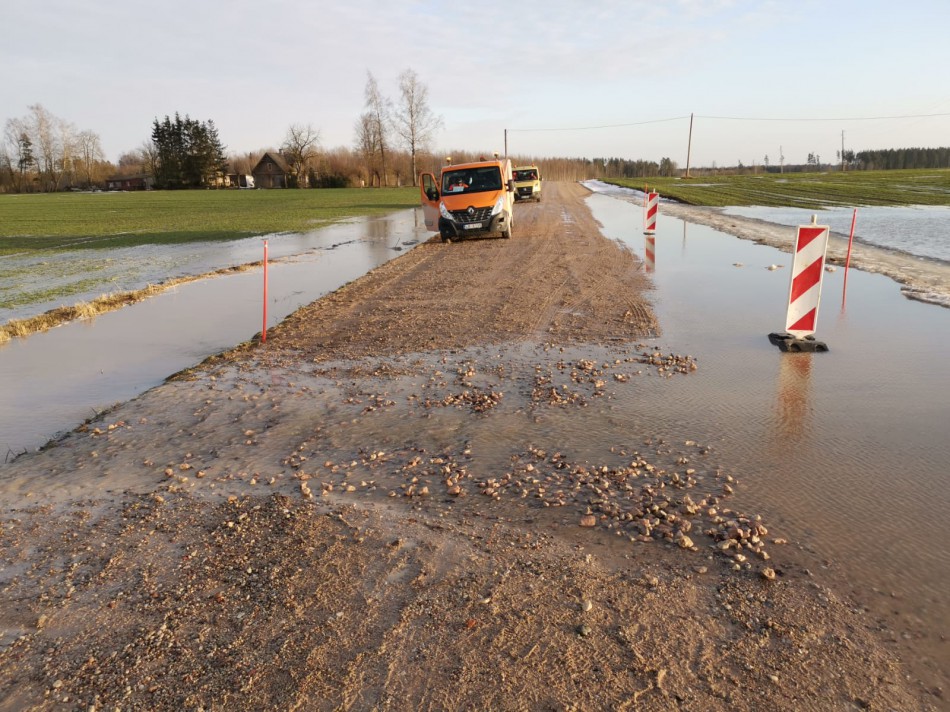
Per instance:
{"type": "Point", "coordinates": [762, 79]}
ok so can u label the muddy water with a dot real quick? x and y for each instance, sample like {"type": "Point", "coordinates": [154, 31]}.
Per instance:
{"type": "Point", "coordinates": [53, 381]}
{"type": "Point", "coordinates": [846, 452]}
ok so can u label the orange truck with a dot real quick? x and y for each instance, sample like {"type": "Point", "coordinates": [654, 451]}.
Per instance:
{"type": "Point", "coordinates": [469, 199]}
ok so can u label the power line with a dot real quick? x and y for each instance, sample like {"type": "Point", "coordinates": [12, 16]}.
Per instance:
{"type": "Point", "coordinates": [733, 118]}
{"type": "Point", "coordinates": [606, 126]}
{"type": "Point", "coordinates": [851, 118]}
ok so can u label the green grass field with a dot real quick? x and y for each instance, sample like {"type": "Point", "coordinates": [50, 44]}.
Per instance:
{"type": "Point", "coordinates": [805, 190]}
{"type": "Point", "coordinates": [61, 221]}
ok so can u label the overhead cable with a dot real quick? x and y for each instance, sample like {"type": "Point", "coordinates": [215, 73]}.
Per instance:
{"type": "Point", "coordinates": [733, 118]}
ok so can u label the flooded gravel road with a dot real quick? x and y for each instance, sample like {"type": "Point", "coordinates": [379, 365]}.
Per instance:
{"type": "Point", "coordinates": [538, 408]}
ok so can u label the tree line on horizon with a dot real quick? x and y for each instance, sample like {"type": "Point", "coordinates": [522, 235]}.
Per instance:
{"type": "Point", "coordinates": [40, 152]}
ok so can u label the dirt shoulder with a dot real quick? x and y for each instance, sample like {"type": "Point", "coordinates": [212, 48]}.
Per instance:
{"type": "Point", "coordinates": [417, 495]}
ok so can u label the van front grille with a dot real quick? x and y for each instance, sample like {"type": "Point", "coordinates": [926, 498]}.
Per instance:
{"type": "Point", "coordinates": [478, 215]}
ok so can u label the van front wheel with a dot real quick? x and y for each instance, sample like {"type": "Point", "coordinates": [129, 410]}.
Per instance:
{"type": "Point", "coordinates": [506, 233]}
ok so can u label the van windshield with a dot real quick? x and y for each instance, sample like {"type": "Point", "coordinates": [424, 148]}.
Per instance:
{"type": "Point", "coordinates": [471, 180]}
{"type": "Point", "coordinates": [526, 175]}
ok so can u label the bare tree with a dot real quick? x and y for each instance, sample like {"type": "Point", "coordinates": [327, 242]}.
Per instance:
{"type": "Point", "coordinates": [367, 145]}
{"type": "Point", "coordinates": [300, 150]}
{"type": "Point", "coordinates": [54, 146]}
{"type": "Point", "coordinates": [6, 169]}
{"type": "Point", "coordinates": [414, 121]}
{"type": "Point", "coordinates": [89, 155]}
{"type": "Point", "coordinates": [243, 163]}
{"type": "Point", "coordinates": [66, 140]}
{"type": "Point", "coordinates": [130, 162]}
{"type": "Point", "coordinates": [42, 129]}
{"type": "Point", "coordinates": [149, 153]}
{"type": "Point", "coordinates": [376, 120]}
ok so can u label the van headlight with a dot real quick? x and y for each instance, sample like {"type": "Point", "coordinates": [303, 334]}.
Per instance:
{"type": "Point", "coordinates": [499, 206]}
{"type": "Point", "coordinates": [444, 211]}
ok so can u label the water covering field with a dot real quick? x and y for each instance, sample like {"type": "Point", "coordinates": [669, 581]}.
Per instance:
{"type": "Point", "coordinates": [921, 230]}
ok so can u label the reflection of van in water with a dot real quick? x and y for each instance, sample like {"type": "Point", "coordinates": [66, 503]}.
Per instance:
{"type": "Point", "coordinates": [527, 183]}
{"type": "Point", "coordinates": [469, 199]}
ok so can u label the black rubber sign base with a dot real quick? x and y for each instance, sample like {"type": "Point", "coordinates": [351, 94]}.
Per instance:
{"type": "Point", "coordinates": [787, 342]}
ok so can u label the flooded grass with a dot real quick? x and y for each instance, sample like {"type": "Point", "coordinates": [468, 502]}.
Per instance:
{"type": "Point", "coordinates": [108, 302]}
{"type": "Point", "coordinates": [65, 247]}
{"type": "Point", "coordinates": [804, 190]}
{"type": "Point", "coordinates": [11, 298]}
{"type": "Point", "coordinates": [71, 221]}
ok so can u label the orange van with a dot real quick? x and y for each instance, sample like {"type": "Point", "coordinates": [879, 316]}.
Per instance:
{"type": "Point", "coordinates": [469, 199]}
{"type": "Point", "coordinates": [527, 183]}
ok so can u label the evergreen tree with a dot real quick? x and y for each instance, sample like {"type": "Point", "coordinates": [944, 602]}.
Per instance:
{"type": "Point", "coordinates": [189, 153]}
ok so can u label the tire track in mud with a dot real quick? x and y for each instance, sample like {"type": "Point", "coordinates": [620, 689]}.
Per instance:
{"type": "Point", "coordinates": [621, 287]}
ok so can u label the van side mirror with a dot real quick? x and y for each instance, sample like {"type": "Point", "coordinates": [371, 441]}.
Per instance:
{"type": "Point", "coordinates": [511, 186]}
{"type": "Point", "coordinates": [432, 193]}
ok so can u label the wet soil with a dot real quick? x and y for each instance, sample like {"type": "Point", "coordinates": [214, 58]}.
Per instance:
{"type": "Point", "coordinates": [414, 496]}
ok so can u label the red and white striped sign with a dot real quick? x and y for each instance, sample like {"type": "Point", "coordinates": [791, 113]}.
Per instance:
{"type": "Point", "coordinates": [653, 202]}
{"type": "Point", "coordinates": [804, 292]}
{"type": "Point", "coordinates": [649, 252]}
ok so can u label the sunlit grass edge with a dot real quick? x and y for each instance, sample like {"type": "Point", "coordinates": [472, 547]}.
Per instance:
{"type": "Point", "coordinates": [63, 221]}
{"type": "Point", "coordinates": [804, 190]}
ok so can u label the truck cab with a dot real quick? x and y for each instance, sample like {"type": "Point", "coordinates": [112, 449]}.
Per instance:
{"type": "Point", "coordinates": [527, 183]}
{"type": "Point", "coordinates": [469, 199]}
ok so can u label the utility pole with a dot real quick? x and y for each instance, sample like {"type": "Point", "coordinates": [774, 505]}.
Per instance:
{"type": "Point", "coordinates": [781, 160]}
{"type": "Point", "coordinates": [506, 143]}
{"type": "Point", "coordinates": [689, 143]}
{"type": "Point", "coordinates": [842, 150]}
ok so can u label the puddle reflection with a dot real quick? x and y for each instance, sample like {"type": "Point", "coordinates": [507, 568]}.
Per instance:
{"type": "Point", "coordinates": [792, 402]}
{"type": "Point", "coordinates": [649, 252]}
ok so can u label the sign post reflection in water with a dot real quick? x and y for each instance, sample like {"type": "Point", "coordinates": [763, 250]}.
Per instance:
{"type": "Point", "coordinates": [649, 252]}
{"type": "Point", "coordinates": [264, 326]}
{"type": "Point", "coordinates": [792, 401]}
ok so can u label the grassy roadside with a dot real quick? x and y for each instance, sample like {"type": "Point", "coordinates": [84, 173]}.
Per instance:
{"type": "Point", "coordinates": [805, 190]}
{"type": "Point", "coordinates": [62, 221]}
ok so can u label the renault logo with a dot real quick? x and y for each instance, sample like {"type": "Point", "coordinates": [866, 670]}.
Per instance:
{"type": "Point", "coordinates": [471, 210]}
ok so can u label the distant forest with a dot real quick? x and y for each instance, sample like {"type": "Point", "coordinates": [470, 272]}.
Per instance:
{"type": "Point", "coordinates": [897, 158]}
{"type": "Point", "coordinates": [885, 159]}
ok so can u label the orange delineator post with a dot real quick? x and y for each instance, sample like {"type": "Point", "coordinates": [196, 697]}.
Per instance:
{"type": "Point", "coordinates": [847, 262]}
